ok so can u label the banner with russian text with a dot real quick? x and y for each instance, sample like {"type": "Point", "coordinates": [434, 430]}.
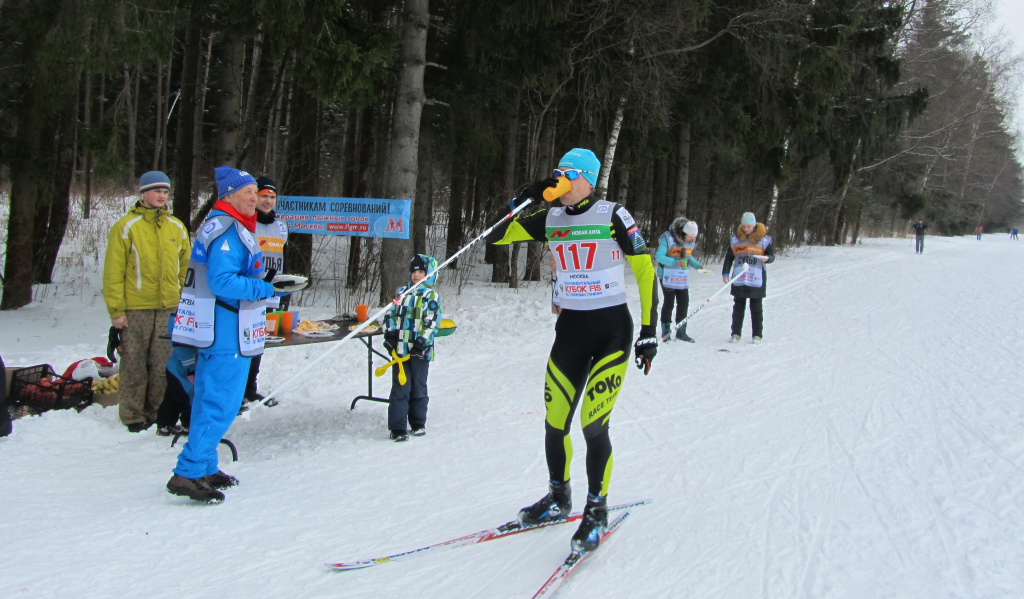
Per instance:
{"type": "Point", "coordinates": [362, 217]}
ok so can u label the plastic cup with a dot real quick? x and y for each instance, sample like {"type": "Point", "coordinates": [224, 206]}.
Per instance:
{"type": "Point", "coordinates": [362, 312]}
{"type": "Point", "coordinates": [287, 320]}
{"type": "Point", "coordinates": [272, 321]}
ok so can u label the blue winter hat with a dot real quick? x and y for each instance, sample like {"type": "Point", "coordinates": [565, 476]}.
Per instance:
{"type": "Point", "coordinates": [153, 180]}
{"type": "Point", "coordinates": [748, 218]}
{"type": "Point", "coordinates": [230, 180]}
{"type": "Point", "coordinates": [584, 160]}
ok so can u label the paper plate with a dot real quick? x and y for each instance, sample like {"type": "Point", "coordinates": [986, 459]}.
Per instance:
{"type": "Point", "coordinates": [289, 279]}
{"type": "Point", "coordinates": [273, 339]}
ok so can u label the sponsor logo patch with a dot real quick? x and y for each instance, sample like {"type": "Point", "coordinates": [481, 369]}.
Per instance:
{"type": "Point", "coordinates": [627, 218]}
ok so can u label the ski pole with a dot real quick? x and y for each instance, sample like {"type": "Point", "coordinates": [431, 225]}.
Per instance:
{"type": "Point", "coordinates": [335, 344]}
{"type": "Point", "coordinates": [746, 267]}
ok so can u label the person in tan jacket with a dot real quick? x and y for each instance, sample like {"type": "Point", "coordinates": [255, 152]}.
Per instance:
{"type": "Point", "coordinates": [143, 273]}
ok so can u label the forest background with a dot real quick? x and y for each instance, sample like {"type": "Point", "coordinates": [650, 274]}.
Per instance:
{"type": "Point", "coordinates": [829, 119]}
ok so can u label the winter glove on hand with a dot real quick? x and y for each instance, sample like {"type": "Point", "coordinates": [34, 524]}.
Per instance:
{"type": "Point", "coordinates": [390, 341]}
{"type": "Point", "coordinates": [113, 342]}
{"type": "Point", "coordinates": [534, 190]}
{"type": "Point", "coordinates": [418, 350]}
{"type": "Point", "coordinates": [645, 348]}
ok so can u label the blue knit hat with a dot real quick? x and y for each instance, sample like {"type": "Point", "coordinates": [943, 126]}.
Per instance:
{"type": "Point", "coordinates": [230, 180]}
{"type": "Point", "coordinates": [748, 218]}
{"type": "Point", "coordinates": [584, 160]}
{"type": "Point", "coordinates": [153, 180]}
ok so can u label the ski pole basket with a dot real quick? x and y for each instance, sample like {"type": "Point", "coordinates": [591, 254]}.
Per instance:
{"type": "Point", "coordinates": [41, 388]}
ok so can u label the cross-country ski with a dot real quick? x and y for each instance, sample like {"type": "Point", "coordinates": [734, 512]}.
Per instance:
{"type": "Point", "coordinates": [505, 530]}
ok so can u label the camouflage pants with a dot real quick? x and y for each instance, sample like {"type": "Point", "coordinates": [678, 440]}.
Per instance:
{"type": "Point", "coordinates": [143, 364]}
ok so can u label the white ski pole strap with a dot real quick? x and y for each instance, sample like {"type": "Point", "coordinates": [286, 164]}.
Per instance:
{"type": "Point", "coordinates": [335, 344]}
{"type": "Point", "coordinates": [675, 328]}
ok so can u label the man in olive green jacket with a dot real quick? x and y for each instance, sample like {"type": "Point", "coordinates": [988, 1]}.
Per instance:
{"type": "Point", "coordinates": [143, 272]}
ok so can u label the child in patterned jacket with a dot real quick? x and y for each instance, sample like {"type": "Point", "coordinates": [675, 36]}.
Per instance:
{"type": "Point", "coordinates": [409, 330]}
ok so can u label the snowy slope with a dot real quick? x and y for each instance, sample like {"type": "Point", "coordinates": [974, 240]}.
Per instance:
{"type": "Point", "coordinates": [872, 446]}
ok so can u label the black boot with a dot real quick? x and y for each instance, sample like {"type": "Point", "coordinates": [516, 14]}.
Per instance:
{"type": "Point", "coordinates": [196, 489]}
{"type": "Point", "coordinates": [554, 506]}
{"type": "Point", "coordinates": [666, 331]}
{"type": "Point", "coordinates": [682, 336]}
{"type": "Point", "coordinates": [593, 526]}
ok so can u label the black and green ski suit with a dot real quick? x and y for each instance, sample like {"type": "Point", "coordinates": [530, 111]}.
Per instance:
{"type": "Point", "coordinates": [591, 242]}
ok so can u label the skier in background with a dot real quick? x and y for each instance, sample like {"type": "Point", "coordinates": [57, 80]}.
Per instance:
{"type": "Point", "coordinates": [979, 231]}
{"type": "Point", "coordinates": [1013, 233]}
{"type": "Point", "coordinates": [919, 229]}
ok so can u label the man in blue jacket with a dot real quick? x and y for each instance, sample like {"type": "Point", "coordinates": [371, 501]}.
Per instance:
{"type": "Point", "coordinates": [222, 313]}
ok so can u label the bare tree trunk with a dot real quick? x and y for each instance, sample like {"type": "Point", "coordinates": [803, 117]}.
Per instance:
{"type": "Point", "coordinates": [131, 105]}
{"type": "Point", "coordinates": [87, 199]}
{"type": "Point", "coordinates": [500, 253]}
{"type": "Point", "coordinates": [424, 189]}
{"type": "Point", "coordinates": [187, 100]}
{"type": "Point", "coordinates": [405, 135]}
{"type": "Point", "coordinates": [302, 174]}
{"type": "Point", "coordinates": [609, 151]}
{"type": "Point", "coordinates": [230, 100]}
{"type": "Point", "coordinates": [158, 103]}
{"type": "Point", "coordinates": [682, 171]}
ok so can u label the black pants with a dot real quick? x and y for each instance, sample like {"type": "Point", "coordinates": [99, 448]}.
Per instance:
{"type": "Point", "coordinates": [408, 403]}
{"type": "Point", "coordinates": [177, 405]}
{"type": "Point", "coordinates": [586, 370]}
{"type": "Point", "coordinates": [254, 371]}
{"type": "Point", "coordinates": [5, 414]}
{"type": "Point", "coordinates": [739, 306]}
{"type": "Point", "coordinates": [680, 297]}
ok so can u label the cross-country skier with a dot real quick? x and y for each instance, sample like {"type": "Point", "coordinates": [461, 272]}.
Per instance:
{"type": "Point", "coordinates": [592, 241]}
{"type": "Point", "coordinates": [919, 229]}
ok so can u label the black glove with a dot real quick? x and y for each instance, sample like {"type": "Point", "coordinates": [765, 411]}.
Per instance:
{"type": "Point", "coordinates": [269, 275]}
{"type": "Point", "coordinates": [113, 342]}
{"type": "Point", "coordinates": [390, 341]}
{"type": "Point", "coordinates": [533, 190]}
{"type": "Point", "coordinates": [418, 350]}
{"type": "Point", "coordinates": [645, 348]}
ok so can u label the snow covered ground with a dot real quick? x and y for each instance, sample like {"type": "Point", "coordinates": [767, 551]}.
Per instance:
{"type": "Point", "coordinates": [872, 446]}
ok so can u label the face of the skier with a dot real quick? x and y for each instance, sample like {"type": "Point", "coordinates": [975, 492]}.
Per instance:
{"type": "Point", "coordinates": [747, 229]}
{"type": "Point", "coordinates": [581, 188]}
{"type": "Point", "coordinates": [417, 276]}
{"type": "Point", "coordinates": [689, 237]}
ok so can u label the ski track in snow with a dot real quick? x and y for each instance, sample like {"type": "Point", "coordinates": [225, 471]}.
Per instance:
{"type": "Point", "coordinates": [872, 446]}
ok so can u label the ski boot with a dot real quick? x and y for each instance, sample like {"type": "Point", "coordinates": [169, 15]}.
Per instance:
{"type": "Point", "coordinates": [666, 331]}
{"type": "Point", "coordinates": [682, 336]}
{"type": "Point", "coordinates": [554, 506]}
{"type": "Point", "coordinates": [593, 525]}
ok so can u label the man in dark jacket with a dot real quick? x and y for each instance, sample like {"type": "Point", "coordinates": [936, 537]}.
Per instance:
{"type": "Point", "coordinates": [919, 229]}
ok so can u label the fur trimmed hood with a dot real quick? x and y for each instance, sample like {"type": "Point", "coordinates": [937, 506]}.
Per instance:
{"type": "Point", "coordinates": [757, 235]}
{"type": "Point", "coordinates": [676, 229]}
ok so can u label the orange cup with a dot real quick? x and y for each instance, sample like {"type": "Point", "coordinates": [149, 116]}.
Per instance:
{"type": "Point", "coordinates": [272, 320]}
{"type": "Point", "coordinates": [362, 312]}
{"type": "Point", "coordinates": [287, 320]}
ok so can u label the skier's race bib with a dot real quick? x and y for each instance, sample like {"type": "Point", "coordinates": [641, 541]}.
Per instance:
{"type": "Point", "coordinates": [675, 278]}
{"type": "Point", "coordinates": [752, 278]}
